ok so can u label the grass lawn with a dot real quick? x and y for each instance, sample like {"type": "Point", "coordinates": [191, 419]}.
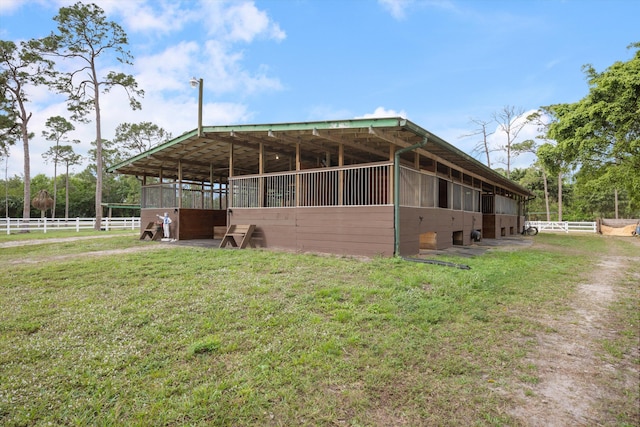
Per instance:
{"type": "Point", "coordinates": [190, 336]}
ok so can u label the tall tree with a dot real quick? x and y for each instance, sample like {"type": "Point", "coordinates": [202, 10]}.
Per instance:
{"type": "Point", "coordinates": [57, 129]}
{"type": "Point", "coordinates": [510, 123]}
{"type": "Point", "coordinates": [20, 68]}
{"type": "Point", "coordinates": [530, 146]}
{"type": "Point", "coordinates": [86, 37]}
{"type": "Point", "coordinates": [601, 132]}
{"type": "Point", "coordinates": [69, 158]}
{"type": "Point", "coordinates": [556, 162]}
{"type": "Point", "coordinates": [541, 121]}
{"type": "Point", "coordinates": [136, 138]}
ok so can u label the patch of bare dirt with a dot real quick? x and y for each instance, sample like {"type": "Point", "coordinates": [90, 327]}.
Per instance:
{"type": "Point", "coordinates": [15, 243]}
{"type": "Point", "coordinates": [88, 254]}
{"type": "Point", "coordinates": [575, 380]}
{"type": "Point", "coordinates": [40, 259]}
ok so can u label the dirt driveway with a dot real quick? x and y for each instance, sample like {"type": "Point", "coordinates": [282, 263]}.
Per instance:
{"type": "Point", "coordinates": [576, 380]}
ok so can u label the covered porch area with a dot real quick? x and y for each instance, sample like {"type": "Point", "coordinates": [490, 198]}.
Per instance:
{"type": "Point", "coordinates": [353, 187]}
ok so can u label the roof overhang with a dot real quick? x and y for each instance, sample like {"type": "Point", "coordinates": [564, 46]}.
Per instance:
{"type": "Point", "coordinates": [206, 157]}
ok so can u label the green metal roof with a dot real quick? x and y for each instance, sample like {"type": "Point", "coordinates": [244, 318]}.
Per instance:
{"type": "Point", "coordinates": [364, 141]}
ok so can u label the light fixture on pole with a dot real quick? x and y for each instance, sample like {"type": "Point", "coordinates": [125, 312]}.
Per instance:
{"type": "Point", "coordinates": [198, 82]}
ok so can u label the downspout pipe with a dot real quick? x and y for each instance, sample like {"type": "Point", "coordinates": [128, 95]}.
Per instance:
{"type": "Point", "coordinates": [396, 190]}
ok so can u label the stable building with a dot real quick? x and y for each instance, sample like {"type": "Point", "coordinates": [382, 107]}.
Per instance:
{"type": "Point", "coordinates": [368, 187]}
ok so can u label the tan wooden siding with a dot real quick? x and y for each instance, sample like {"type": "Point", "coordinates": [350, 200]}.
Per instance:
{"type": "Point", "coordinates": [497, 226]}
{"type": "Point", "coordinates": [340, 230]}
{"type": "Point", "coordinates": [441, 222]}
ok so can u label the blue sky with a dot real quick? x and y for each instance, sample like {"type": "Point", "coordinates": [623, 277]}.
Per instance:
{"type": "Point", "coordinates": [439, 63]}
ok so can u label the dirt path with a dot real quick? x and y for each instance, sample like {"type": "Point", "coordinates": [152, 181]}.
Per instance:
{"type": "Point", "coordinates": [15, 243]}
{"type": "Point", "coordinates": [39, 259]}
{"type": "Point", "coordinates": [575, 381]}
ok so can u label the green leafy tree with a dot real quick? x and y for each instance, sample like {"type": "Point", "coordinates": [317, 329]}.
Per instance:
{"type": "Point", "coordinates": [540, 120]}
{"type": "Point", "coordinates": [57, 129]}
{"type": "Point", "coordinates": [4, 156]}
{"type": "Point", "coordinates": [553, 160]}
{"type": "Point", "coordinates": [136, 138]}
{"type": "Point", "coordinates": [83, 187]}
{"type": "Point", "coordinates": [116, 187]}
{"type": "Point", "coordinates": [9, 128]}
{"type": "Point", "coordinates": [67, 156]}
{"type": "Point", "coordinates": [601, 132]}
{"type": "Point", "coordinates": [532, 178]}
{"type": "Point", "coordinates": [85, 37]}
{"type": "Point", "coordinates": [20, 67]}
{"type": "Point", "coordinates": [14, 187]}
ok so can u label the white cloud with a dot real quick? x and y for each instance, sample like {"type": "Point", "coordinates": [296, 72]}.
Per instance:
{"type": "Point", "coordinates": [245, 22]}
{"type": "Point", "coordinates": [169, 69]}
{"type": "Point", "coordinates": [381, 112]}
{"type": "Point", "coordinates": [224, 67]}
{"type": "Point", "coordinates": [144, 16]}
{"type": "Point", "coordinates": [397, 8]}
{"type": "Point", "coordinates": [239, 21]}
{"type": "Point", "coordinates": [8, 6]}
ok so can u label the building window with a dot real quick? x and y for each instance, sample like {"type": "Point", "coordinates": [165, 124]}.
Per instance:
{"type": "Point", "coordinates": [457, 197]}
{"type": "Point", "coordinates": [443, 193]}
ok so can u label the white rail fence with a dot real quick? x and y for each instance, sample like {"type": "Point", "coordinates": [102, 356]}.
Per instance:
{"type": "Point", "coordinates": [564, 226]}
{"type": "Point", "coordinates": [15, 225]}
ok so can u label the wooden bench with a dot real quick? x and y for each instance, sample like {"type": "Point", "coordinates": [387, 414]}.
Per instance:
{"type": "Point", "coordinates": [152, 231]}
{"type": "Point", "coordinates": [238, 233]}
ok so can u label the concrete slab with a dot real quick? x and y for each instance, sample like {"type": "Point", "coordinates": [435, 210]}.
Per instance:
{"type": "Point", "coordinates": [479, 248]}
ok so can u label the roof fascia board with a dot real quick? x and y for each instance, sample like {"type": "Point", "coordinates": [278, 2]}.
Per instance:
{"type": "Point", "coordinates": [309, 126]}
{"type": "Point", "coordinates": [276, 127]}
{"type": "Point", "coordinates": [154, 150]}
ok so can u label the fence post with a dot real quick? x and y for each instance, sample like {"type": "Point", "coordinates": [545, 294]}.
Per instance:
{"type": "Point", "coordinates": [8, 225]}
{"type": "Point", "coordinates": [106, 224]}
{"type": "Point", "coordinates": [45, 225]}
{"type": "Point", "coordinates": [77, 224]}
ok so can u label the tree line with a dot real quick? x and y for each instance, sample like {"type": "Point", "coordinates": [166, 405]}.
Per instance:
{"type": "Point", "coordinates": [84, 39]}
{"type": "Point", "coordinates": [587, 153]}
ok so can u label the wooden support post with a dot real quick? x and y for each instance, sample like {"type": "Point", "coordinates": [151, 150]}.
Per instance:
{"type": "Point", "coordinates": [230, 159]}
{"type": "Point", "coordinates": [161, 181]}
{"type": "Point", "coordinates": [143, 201]}
{"type": "Point", "coordinates": [298, 167]}
{"type": "Point", "coordinates": [180, 183]}
{"type": "Point", "coordinates": [392, 153]}
{"type": "Point", "coordinates": [341, 175]}
{"type": "Point", "coordinates": [230, 192]}
{"type": "Point", "coordinates": [211, 184]}
{"type": "Point", "coordinates": [261, 192]}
